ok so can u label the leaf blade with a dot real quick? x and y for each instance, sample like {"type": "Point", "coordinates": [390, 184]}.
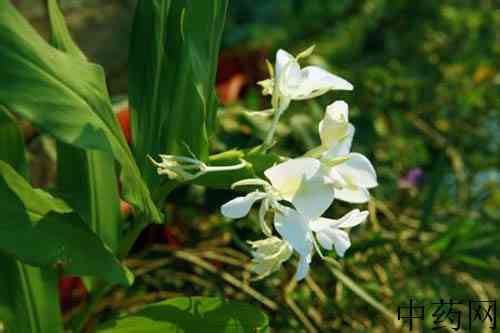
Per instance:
{"type": "Point", "coordinates": [172, 76]}
{"type": "Point", "coordinates": [43, 231]}
{"type": "Point", "coordinates": [188, 314]}
{"type": "Point", "coordinates": [66, 97]}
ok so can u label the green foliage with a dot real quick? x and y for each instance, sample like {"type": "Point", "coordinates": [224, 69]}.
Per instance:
{"type": "Point", "coordinates": [66, 97]}
{"type": "Point", "coordinates": [25, 289]}
{"type": "Point", "coordinates": [86, 179]}
{"type": "Point", "coordinates": [172, 74]}
{"type": "Point", "coordinates": [12, 143]}
{"type": "Point", "coordinates": [190, 314]}
{"type": "Point", "coordinates": [42, 230]}
{"type": "Point", "coordinates": [30, 302]}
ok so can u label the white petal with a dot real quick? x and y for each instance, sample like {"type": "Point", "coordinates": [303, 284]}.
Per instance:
{"type": "Point", "coordinates": [300, 181]}
{"type": "Point", "coordinates": [325, 241]}
{"type": "Point", "coordinates": [352, 219]}
{"type": "Point", "coordinates": [282, 59]}
{"type": "Point", "coordinates": [290, 80]}
{"type": "Point", "coordinates": [341, 147]}
{"type": "Point", "coordinates": [240, 206]}
{"type": "Point", "coordinates": [303, 267]}
{"type": "Point", "coordinates": [338, 111]}
{"type": "Point", "coordinates": [321, 223]}
{"type": "Point", "coordinates": [334, 178]}
{"type": "Point", "coordinates": [352, 194]}
{"type": "Point", "coordinates": [340, 240]}
{"type": "Point", "coordinates": [294, 228]}
{"type": "Point", "coordinates": [286, 177]}
{"type": "Point", "coordinates": [316, 78]}
{"type": "Point", "coordinates": [314, 197]}
{"type": "Point", "coordinates": [358, 170]}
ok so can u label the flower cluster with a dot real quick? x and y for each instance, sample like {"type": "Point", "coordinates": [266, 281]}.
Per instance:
{"type": "Point", "coordinates": [297, 192]}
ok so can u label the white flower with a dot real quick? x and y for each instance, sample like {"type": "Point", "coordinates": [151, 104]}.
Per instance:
{"type": "Point", "coordinates": [301, 182]}
{"type": "Point", "coordinates": [329, 232]}
{"type": "Point", "coordinates": [301, 233]}
{"type": "Point", "coordinates": [351, 174]}
{"type": "Point", "coordinates": [298, 181]}
{"type": "Point", "coordinates": [290, 82]}
{"type": "Point", "coordinates": [240, 206]}
{"type": "Point", "coordinates": [294, 228]}
{"type": "Point", "coordinates": [268, 255]}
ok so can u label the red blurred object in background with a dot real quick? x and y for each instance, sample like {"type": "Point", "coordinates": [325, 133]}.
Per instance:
{"type": "Point", "coordinates": [237, 70]}
{"type": "Point", "coordinates": [72, 292]}
{"type": "Point", "coordinates": [229, 91]}
{"type": "Point", "coordinates": [123, 116]}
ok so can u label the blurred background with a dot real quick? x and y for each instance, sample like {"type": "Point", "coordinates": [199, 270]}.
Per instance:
{"type": "Point", "coordinates": [426, 106]}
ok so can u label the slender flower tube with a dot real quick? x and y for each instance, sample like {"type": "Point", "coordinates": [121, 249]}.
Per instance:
{"type": "Point", "coordinates": [184, 169]}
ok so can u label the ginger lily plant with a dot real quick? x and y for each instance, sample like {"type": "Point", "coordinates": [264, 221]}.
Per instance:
{"type": "Point", "coordinates": [76, 228]}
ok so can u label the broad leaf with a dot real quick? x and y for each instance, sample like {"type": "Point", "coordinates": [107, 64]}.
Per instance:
{"type": "Point", "coordinates": [172, 76]}
{"type": "Point", "coordinates": [42, 230]}
{"type": "Point", "coordinates": [192, 314]}
{"type": "Point", "coordinates": [65, 96]}
{"type": "Point", "coordinates": [87, 182]}
{"type": "Point", "coordinates": [28, 295]}
{"type": "Point", "coordinates": [86, 179]}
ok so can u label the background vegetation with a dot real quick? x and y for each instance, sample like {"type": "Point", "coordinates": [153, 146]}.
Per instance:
{"type": "Point", "coordinates": [426, 108]}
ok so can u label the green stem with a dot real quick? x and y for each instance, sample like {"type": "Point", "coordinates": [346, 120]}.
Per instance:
{"type": "Point", "coordinates": [268, 142]}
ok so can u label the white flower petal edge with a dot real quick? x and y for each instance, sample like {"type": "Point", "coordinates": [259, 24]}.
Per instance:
{"type": "Point", "coordinates": [355, 195]}
{"type": "Point", "coordinates": [329, 234]}
{"type": "Point", "coordinates": [300, 181]}
{"type": "Point", "coordinates": [294, 228]}
{"type": "Point", "coordinates": [317, 81]}
{"type": "Point", "coordinates": [240, 206]}
{"type": "Point", "coordinates": [358, 170]}
{"type": "Point", "coordinates": [335, 125]}
{"type": "Point", "coordinates": [283, 58]}
{"type": "Point", "coordinates": [295, 83]}
{"type": "Point", "coordinates": [303, 267]}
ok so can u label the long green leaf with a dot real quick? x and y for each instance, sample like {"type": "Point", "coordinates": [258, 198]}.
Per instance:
{"type": "Point", "coordinates": [192, 314]}
{"type": "Point", "coordinates": [29, 298]}
{"type": "Point", "coordinates": [86, 179]}
{"type": "Point", "coordinates": [43, 231]}
{"type": "Point", "coordinates": [65, 96]}
{"type": "Point", "coordinates": [172, 76]}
